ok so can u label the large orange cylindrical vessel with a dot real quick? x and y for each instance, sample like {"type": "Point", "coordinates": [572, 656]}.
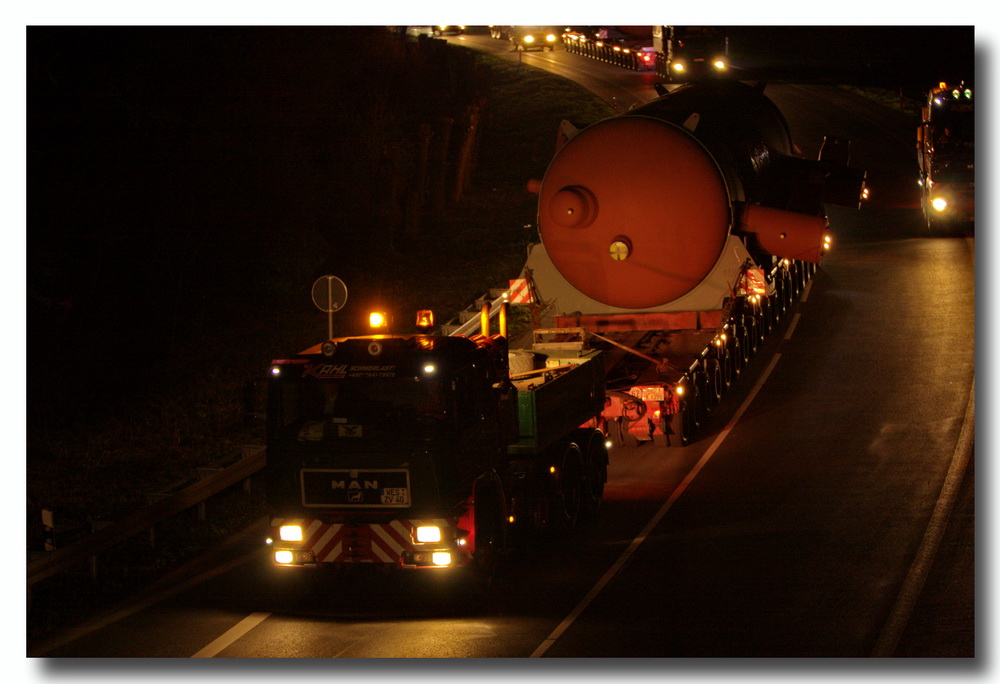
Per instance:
{"type": "Point", "coordinates": [635, 210]}
{"type": "Point", "coordinates": [634, 230]}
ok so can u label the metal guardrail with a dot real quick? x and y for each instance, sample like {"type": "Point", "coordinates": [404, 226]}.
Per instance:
{"type": "Point", "coordinates": [54, 562]}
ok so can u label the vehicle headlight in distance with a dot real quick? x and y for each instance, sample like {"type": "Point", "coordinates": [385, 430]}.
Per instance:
{"type": "Point", "coordinates": [719, 64]}
{"type": "Point", "coordinates": [550, 38]}
{"type": "Point", "coordinates": [939, 203]}
{"type": "Point", "coordinates": [428, 534]}
{"type": "Point", "coordinates": [529, 39]}
{"type": "Point", "coordinates": [291, 533]}
{"type": "Point", "coordinates": [678, 66]}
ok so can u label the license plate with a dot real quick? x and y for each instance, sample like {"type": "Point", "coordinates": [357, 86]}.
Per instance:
{"type": "Point", "coordinates": [388, 488]}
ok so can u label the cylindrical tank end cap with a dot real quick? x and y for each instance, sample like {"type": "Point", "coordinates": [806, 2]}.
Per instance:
{"type": "Point", "coordinates": [786, 234]}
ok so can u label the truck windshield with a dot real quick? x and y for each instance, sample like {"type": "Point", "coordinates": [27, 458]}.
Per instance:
{"type": "Point", "coordinates": [954, 124]}
{"type": "Point", "coordinates": [321, 410]}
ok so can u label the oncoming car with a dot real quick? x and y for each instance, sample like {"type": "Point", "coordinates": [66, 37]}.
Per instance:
{"type": "Point", "coordinates": [534, 37]}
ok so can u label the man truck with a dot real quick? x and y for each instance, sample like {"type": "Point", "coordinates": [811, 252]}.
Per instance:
{"type": "Point", "coordinates": [423, 452]}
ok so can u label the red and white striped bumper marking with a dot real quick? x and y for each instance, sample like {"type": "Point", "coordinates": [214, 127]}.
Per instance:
{"type": "Point", "coordinates": [373, 543]}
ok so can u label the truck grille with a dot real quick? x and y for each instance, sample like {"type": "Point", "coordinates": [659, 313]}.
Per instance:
{"type": "Point", "coordinates": [347, 489]}
{"type": "Point", "coordinates": [372, 543]}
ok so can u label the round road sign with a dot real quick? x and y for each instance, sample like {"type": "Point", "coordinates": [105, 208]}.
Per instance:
{"type": "Point", "coordinates": [329, 293]}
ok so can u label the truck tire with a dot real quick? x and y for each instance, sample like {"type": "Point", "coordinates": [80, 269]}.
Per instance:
{"type": "Point", "coordinates": [734, 350]}
{"type": "Point", "coordinates": [689, 426]}
{"type": "Point", "coordinates": [569, 489]}
{"type": "Point", "coordinates": [490, 536]}
{"type": "Point", "coordinates": [766, 318]}
{"type": "Point", "coordinates": [752, 335]}
{"type": "Point", "coordinates": [595, 469]}
{"type": "Point", "coordinates": [785, 294]}
{"type": "Point", "coordinates": [696, 407]}
{"type": "Point", "coordinates": [713, 382]}
{"type": "Point", "coordinates": [725, 367]}
{"type": "Point", "coordinates": [773, 310]}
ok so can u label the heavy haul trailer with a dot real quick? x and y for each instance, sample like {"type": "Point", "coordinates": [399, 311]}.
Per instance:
{"type": "Point", "coordinates": [680, 271]}
{"type": "Point", "coordinates": [423, 451]}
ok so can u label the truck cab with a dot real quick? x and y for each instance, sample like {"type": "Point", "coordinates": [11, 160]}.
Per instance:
{"type": "Point", "coordinates": [373, 442]}
{"type": "Point", "coordinates": [685, 53]}
{"type": "Point", "coordinates": [946, 157]}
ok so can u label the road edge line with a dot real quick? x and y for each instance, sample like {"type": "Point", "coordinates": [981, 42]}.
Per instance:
{"type": "Point", "coordinates": [912, 586]}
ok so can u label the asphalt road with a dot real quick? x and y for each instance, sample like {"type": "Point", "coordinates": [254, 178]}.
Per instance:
{"type": "Point", "coordinates": [828, 513]}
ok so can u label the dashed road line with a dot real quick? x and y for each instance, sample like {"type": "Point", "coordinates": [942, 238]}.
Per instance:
{"type": "Point", "coordinates": [232, 635]}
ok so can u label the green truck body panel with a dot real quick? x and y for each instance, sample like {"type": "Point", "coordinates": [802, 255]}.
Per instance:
{"type": "Point", "coordinates": [549, 411]}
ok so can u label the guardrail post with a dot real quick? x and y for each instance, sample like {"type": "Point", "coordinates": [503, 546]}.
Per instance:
{"type": "Point", "coordinates": [48, 521]}
{"type": "Point", "coordinates": [96, 525]}
{"type": "Point", "coordinates": [202, 474]}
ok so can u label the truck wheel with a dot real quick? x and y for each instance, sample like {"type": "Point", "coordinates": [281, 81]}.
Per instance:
{"type": "Point", "coordinates": [752, 338]}
{"type": "Point", "coordinates": [595, 470]}
{"type": "Point", "coordinates": [765, 316]}
{"type": "Point", "coordinates": [689, 427]}
{"type": "Point", "coordinates": [725, 367]}
{"type": "Point", "coordinates": [713, 373]}
{"type": "Point", "coordinates": [734, 351]}
{"type": "Point", "coordinates": [568, 490]}
{"type": "Point", "coordinates": [696, 408]}
{"type": "Point", "coordinates": [786, 294]}
{"type": "Point", "coordinates": [773, 310]}
{"type": "Point", "coordinates": [490, 528]}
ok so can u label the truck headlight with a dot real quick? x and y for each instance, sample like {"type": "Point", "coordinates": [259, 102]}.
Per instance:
{"type": "Point", "coordinates": [428, 534]}
{"type": "Point", "coordinates": [283, 557]}
{"type": "Point", "coordinates": [441, 558]}
{"type": "Point", "coordinates": [292, 533]}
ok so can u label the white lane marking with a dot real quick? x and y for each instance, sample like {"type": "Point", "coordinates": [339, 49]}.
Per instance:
{"type": "Point", "coordinates": [651, 525]}
{"type": "Point", "coordinates": [914, 583]}
{"type": "Point", "coordinates": [238, 631]}
{"type": "Point", "coordinates": [791, 326]}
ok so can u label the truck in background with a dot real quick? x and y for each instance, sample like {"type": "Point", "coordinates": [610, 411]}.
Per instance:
{"type": "Point", "coordinates": [424, 452]}
{"type": "Point", "coordinates": [528, 37]}
{"type": "Point", "coordinates": [946, 157]}
{"type": "Point", "coordinates": [688, 52]}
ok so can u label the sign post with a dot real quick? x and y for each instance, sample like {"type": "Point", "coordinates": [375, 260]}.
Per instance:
{"type": "Point", "coordinates": [329, 294]}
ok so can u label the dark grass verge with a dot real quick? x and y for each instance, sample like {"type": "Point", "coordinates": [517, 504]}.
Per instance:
{"type": "Point", "coordinates": [195, 414]}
